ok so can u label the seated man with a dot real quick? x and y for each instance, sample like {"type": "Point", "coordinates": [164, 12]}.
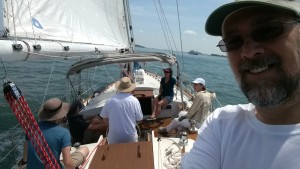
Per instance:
{"type": "Point", "coordinates": [81, 130]}
{"type": "Point", "coordinates": [198, 111]}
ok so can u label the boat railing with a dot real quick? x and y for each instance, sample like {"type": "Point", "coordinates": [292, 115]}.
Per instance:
{"type": "Point", "coordinates": [11, 147]}
{"type": "Point", "coordinates": [86, 83]}
{"type": "Point", "coordinates": [186, 81]}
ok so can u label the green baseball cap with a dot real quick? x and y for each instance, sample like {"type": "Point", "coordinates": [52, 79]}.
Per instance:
{"type": "Point", "coordinates": [215, 20]}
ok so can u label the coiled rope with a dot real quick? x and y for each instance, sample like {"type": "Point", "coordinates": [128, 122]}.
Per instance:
{"type": "Point", "coordinates": [170, 158]}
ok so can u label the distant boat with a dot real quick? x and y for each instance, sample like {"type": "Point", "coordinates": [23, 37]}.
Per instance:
{"type": "Point", "coordinates": [194, 52]}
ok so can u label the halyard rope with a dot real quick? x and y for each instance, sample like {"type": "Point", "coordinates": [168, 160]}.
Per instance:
{"type": "Point", "coordinates": [25, 117]}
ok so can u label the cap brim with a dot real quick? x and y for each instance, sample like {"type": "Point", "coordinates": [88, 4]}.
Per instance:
{"type": "Point", "coordinates": [215, 20]}
{"type": "Point", "coordinates": [194, 82]}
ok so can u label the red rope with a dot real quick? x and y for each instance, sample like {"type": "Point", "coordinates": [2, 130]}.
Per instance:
{"type": "Point", "coordinates": [25, 117]}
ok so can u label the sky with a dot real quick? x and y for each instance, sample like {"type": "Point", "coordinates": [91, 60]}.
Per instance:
{"type": "Point", "coordinates": [148, 31]}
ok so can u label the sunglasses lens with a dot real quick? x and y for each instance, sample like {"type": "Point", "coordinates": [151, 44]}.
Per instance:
{"type": "Point", "coordinates": [267, 31]}
{"type": "Point", "coordinates": [222, 46]}
{"type": "Point", "coordinates": [230, 44]}
{"type": "Point", "coordinates": [261, 33]}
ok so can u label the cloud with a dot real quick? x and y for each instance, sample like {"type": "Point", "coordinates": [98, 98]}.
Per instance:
{"type": "Point", "coordinates": [141, 30]}
{"type": "Point", "coordinates": [190, 32]}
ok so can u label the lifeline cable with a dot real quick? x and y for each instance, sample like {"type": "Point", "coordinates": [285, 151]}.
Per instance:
{"type": "Point", "coordinates": [25, 117]}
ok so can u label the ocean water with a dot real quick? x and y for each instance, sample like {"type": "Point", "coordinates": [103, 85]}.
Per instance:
{"type": "Point", "coordinates": [32, 78]}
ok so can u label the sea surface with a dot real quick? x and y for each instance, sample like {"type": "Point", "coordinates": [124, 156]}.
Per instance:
{"type": "Point", "coordinates": [32, 77]}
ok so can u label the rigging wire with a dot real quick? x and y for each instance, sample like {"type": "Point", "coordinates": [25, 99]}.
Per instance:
{"type": "Point", "coordinates": [167, 31]}
{"type": "Point", "coordinates": [179, 27]}
{"type": "Point", "coordinates": [31, 21]}
{"type": "Point", "coordinates": [161, 23]}
{"type": "Point", "coordinates": [108, 75]}
{"type": "Point", "coordinates": [14, 21]}
{"type": "Point", "coordinates": [165, 23]}
{"type": "Point", "coordinates": [168, 27]}
{"type": "Point", "coordinates": [49, 79]}
{"type": "Point", "coordinates": [94, 74]}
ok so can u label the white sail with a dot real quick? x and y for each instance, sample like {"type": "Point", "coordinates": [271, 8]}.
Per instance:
{"type": "Point", "coordinates": [64, 28]}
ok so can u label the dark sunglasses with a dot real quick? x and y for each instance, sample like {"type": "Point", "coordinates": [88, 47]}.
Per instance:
{"type": "Point", "coordinates": [260, 33]}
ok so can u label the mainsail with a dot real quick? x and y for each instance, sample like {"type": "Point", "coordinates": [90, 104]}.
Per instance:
{"type": "Point", "coordinates": [63, 28]}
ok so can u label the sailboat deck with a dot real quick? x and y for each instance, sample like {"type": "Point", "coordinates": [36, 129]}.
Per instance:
{"type": "Point", "coordinates": [142, 154]}
{"type": "Point", "coordinates": [148, 126]}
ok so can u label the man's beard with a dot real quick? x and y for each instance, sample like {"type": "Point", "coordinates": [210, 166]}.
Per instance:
{"type": "Point", "coordinates": [268, 93]}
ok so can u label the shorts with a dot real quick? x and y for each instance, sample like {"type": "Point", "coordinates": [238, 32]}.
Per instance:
{"type": "Point", "coordinates": [168, 98]}
{"type": "Point", "coordinates": [77, 158]}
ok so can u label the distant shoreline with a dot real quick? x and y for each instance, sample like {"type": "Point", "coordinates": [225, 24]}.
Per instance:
{"type": "Point", "coordinates": [217, 55]}
{"type": "Point", "coordinates": [140, 46]}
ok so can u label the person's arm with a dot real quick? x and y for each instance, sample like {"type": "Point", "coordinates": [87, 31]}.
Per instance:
{"type": "Point", "coordinates": [138, 110]}
{"type": "Point", "coordinates": [162, 80]}
{"type": "Point", "coordinates": [160, 90]}
{"type": "Point", "coordinates": [97, 124]}
{"type": "Point", "coordinates": [106, 121]}
{"type": "Point", "coordinates": [175, 81]}
{"type": "Point", "coordinates": [213, 95]}
{"type": "Point", "coordinates": [23, 161]}
{"type": "Point", "coordinates": [68, 163]}
{"type": "Point", "coordinates": [192, 98]}
{"type": "Point", "coordinates": [197, 104]}
{"type": "Point", "coordinates": [25, 150]}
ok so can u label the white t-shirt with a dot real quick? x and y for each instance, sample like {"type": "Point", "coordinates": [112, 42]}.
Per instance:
{"type": "Point", "coordinates": [122, 110]}
{"type": "Point", "coordinates": [233, 138]}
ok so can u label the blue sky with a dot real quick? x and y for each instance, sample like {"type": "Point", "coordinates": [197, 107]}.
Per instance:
{"type": "Point", "coordinates": [193, 14]}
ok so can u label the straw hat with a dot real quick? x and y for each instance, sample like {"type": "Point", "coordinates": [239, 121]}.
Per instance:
{"type": "Point", "coordinates": [53, 109]}
{"type": "Point", "coordinates": [125, 85]}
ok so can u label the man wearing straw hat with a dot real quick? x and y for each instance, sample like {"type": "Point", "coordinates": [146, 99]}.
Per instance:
{"type": "Point", "coordinates": [51, 114]}
{"type": "Point", "coordinates": [122, 111]}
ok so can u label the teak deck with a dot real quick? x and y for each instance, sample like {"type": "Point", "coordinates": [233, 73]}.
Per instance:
{"type": "Point", "coordinates": [163, 122]}
{"type": "Point", "coordinates": [134, 155]}
{"type": "Point", "coordinates": [129, 156]}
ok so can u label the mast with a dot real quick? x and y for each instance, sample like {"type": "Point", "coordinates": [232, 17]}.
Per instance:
{"type": "Point", "coordinates": [129, 26]}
